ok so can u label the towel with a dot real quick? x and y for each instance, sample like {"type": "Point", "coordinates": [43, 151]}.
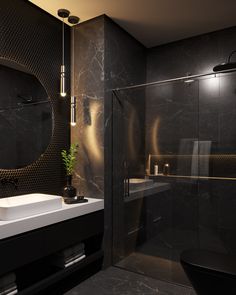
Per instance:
{"type": "Point", "coordinates": [69, 259]}
{"type": "Point", "coordinates": [75, 261]}
{"type": "Point", "coordinates": [77, 248]}
{"type": "Point", "coordinates": [195, 159]}
{"type": "Point", "coordinates": [62, 264]}
{"type": "Point", "coordinates": [204, 149]}
{"type": "Point", "coordinates": [7, 279]}
{"type": "Point", "coordinates": [10, 287]}
{"type": "Point", "coordinates": [68, 252]}
{"type": "Point", "coordinates": [59, 260]}
{"type": "Point", "coordinates": [186, 148]}
{"type": "Point", "coordinates": [200, 158]}
{"type": "Point", "coordinates": [10, 291]}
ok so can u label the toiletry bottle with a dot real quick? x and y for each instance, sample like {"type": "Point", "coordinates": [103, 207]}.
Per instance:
{"type": "Point", "coordinates": [155, 169]}
{"type": "Point", "coordinates": [166, 169]}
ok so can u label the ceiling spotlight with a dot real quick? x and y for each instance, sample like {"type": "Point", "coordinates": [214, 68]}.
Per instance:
{"type": "Point", "coordinates": [74, 20]}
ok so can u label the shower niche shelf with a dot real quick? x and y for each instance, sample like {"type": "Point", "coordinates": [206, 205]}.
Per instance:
{"type": "Point", "coordinates": [203, 166]}
{"type": "Point", "coordinates": [191, 177]}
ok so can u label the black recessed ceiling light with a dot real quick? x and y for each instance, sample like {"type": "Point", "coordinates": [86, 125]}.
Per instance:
{"type": "Point", "coordinates": [63, 13]}
{"type": "Point", "coordinates": [72, 19]}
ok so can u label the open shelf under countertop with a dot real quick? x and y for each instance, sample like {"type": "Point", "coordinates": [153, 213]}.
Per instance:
{"type": "Point", "coordinates": [61, 274]}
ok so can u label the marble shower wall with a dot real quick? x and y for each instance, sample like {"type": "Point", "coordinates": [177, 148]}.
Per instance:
{"type": "Point", "coordinates": [194, 55]}
{"type": "Point", "coordinates": [89, 92]}
{"type": "Point", "coordinates": [208, 113]}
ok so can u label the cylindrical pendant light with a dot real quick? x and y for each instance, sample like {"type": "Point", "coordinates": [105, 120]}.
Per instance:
{"type": "Point", "coordinates": [73, 111]}
{"type": "Point", "coordinates": [63, 13]}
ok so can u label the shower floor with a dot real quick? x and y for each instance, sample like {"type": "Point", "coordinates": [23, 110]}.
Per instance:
{"type": "Point", "coordinates": [155, 267]}
{"type": "Point", "coordinates": [115, 281]}
{"type": "Point", "coordinates": [159, 257]}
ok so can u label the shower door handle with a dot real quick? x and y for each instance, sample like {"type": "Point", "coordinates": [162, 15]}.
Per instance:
{"type": "Point", "coordinates": [126, 187]}
{"type": "Point", "coordinates": [126, 179]}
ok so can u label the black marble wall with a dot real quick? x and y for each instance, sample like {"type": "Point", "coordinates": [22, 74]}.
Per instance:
{"type": "Point", "coordinates": [32, 38]}
{"type": "Point", "coordinates": [89, 92]}
{"type": "Point", "coordinates": [105, 57]}
{"type": "Point", "coordinates": [194, 55]}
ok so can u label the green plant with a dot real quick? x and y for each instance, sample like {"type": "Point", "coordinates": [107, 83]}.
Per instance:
{"type": "Point", "coordinates": [69, 158]}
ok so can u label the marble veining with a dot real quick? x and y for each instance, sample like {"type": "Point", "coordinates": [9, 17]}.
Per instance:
{"type": "Point", "coordinates": [114, 281]}
{"type": "Point", "coordinates": [89, 92]}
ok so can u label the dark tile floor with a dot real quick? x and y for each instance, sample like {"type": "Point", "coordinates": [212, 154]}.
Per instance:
{"type": "Point", "coordinates": [116, 281]}
{"type": "Point", "coordinates": [155, 267]}
{"type": "Point", "coordinates": [159, 257]}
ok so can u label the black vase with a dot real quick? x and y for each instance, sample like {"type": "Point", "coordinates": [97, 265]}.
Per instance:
{"type": "Point", "coordinates": [69, 191]}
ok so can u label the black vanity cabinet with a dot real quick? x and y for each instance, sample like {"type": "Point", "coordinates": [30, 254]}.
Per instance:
{"type": "Point", "coordinates": [29, 254]}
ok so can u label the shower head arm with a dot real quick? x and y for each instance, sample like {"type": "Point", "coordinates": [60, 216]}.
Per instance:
{"type": "Point", "coordinates": [231, 54]}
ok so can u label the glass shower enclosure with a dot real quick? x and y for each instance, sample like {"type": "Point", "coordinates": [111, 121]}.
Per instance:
{"type": "Point", "coordinates": [174, 172]}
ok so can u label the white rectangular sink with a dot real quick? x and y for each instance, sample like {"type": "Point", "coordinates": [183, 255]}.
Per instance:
{"type": "Point", "coordinates": [28, 205]}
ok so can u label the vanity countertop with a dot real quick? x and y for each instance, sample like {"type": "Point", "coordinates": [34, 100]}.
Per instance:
{"type": "Point", "coordinates": [21, 225]}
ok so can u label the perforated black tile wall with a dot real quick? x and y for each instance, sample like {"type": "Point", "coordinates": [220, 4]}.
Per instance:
{"type": "Point", "coordinates": [31, 37]}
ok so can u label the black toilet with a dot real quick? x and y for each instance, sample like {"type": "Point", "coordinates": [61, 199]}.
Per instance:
{"type": "Point", "coordinates": [210, 273]}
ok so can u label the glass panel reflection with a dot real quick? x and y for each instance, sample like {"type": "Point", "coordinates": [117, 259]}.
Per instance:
{"type": "Point", "coordinates": [174, 173]}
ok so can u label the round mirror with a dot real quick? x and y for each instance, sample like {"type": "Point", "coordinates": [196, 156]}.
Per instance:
{"type": "Point", "coordinates": [25, 117]}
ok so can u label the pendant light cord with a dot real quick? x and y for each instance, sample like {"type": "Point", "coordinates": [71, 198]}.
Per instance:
{"type": "Point", "coordinates": [72, 63]}
{"type": "Point", "coordinates": [63, 43]}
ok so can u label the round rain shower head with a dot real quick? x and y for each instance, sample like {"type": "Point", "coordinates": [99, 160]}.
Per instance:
{"type": "Point", "coordinates": [73, 19]}
{"type": "Point", "coordinates": [225, 66]}
{"type": "Point", "coordinates": [63, 13]}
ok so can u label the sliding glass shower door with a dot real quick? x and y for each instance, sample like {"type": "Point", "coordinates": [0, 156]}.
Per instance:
{"type": "Point", "coordinates": [173, 173]}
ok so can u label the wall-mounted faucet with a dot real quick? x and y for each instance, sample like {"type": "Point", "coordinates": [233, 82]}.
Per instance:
{"type": "Point", "coordinates": [9, 180]}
